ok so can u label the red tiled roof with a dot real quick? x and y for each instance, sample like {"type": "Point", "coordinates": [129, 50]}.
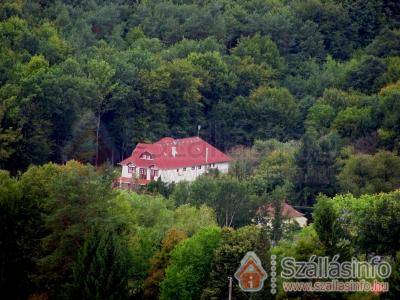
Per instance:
{"type": "Point", "coordinates": [287, 211]}
{"type": "Point", "coordinates": [188, 152]}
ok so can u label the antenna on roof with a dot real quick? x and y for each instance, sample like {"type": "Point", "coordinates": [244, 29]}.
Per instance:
{"type": "Point", "coordinates": [198, 130]}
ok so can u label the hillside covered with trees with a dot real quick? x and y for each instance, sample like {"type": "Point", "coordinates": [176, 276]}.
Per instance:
{"type": "Point", "coordinates": [303, 95]}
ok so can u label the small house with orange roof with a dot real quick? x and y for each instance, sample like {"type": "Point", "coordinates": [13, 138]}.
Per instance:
{"type": "Point", "coordinates": [266, 213]}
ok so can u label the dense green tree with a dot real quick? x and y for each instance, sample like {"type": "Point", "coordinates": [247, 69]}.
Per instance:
{"type": "Point", "coordinates": [320, 117]}
{"type": "Point", "coordinates": [385, 44]}
{"type": "Point", "coordinates": [360, 220]}
{"type": "Point", "coordinates": [8, 139]}
{"type": "Point", "coordinates": [160, 261]}
{"type": "Point", "coordinates": [190, 265]}
{"type": "Point", "coordinates": [13, 274]}
{"type": "Point", "coordinates": [233, 246]}
{"type": "Point", "coordinates": [82, 145]}
{"type": "Point", "coordinates": [316, 163]}
{"type": "Point", "coordinates": [276, 114]}
{"type": "Point", "coordinates": [376, 236]}
{"type": "Point", "coordinates": [102, 267]}
{"type": "Point", "coordinates": [217, 81]}
{"type": "Point", "coordinates": [262, 49]}
{"type": "Point", "coordinates": [364, 74]}
{"type": "Point", "coordinates": [24, 207]}
{"type": "Point", "coordinates": [354, 122]}
{"type": "Point", "coordinates": [73, 213]}
{"type": "Point", "coordinates": [364, 173]}
{"type": "Point", "coordinates": [303, 245]}
{"type": "Point", "coordinates": [329, 226]}
{"type": "Point", "coordinates": [230, 198]}
{"type": "Point", "coordinates": [101, 73]}
{"type": "Point", "coordinates": [154, 69]}
{"type": "Point", "coordinates": [390, 108]}
{"type": "Point", "coordinates": [394, 279]}
{"type": "Point", "coordinates": [190, 219]}
{"type": "Point", "coordinates": [278, 169]}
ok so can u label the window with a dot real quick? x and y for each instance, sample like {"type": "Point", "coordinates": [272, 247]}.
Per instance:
{"type": "Point", "coordinates": [199, 167]}
{"type": "Point", "coordinates": [131, 169]}
{"type": "Point", "coordinates": [155, 172]}
{"type": "Point", "coordinates": [184, 169]}
{"type": "Point", "coordinates": [146, 155]}
{"type": "Point", "coordinates": [142, 173]}
{"type": "Point", "coordinates": [177, 170]}
{"type": "Point", "coordinates": [193, 167]}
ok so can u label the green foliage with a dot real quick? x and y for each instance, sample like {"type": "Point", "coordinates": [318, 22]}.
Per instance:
{"type": "Point", "coordinates": [243, 70]}
{"type": "Point", "coordinates": [160, 261]}
{"type": "Point", "coordinates": [233, 246]}
{"type": "Point", "coordinates": [363, 173]}
{"type": "Point", "coordinates": [317, 169]}
{"type": "Point", "coordinates": [385, 44]}
{"type": "Point", "coordinates": [304, 244]}
{"type": "Point", "coordinates": [190, 219]}
{"type": "Point", "coordinates": [394, 279]}
{"type": "Point", "coordinates": [102, 267]}
{"type": "Point", "coordinates": [190, 265]}
{"type": "Point", "coordinates": [88, 80]}
{"type": "Point", "coordinates": [159, 187]}
{"type": "Point", "coordinates": [276, 113]}
{"type": "Point", "coordinates": [369, 221]}
{"type": "Point", "coordinates": [365, 74]}
{"type": "Point", "coordinates": [320, 117]}
{"type": "Point", "coordinates": [354, 122]}
{"type": "Point", "coordinates": [82, 145]}
{"type": "Point", "coordinates": [277, 169]}
{"type": "Point", "coordinates": [262, 49]}
{"type": "Point", "coordinates": [74, 212]}
{"type": "Point", "coordinates": [13, 259]}
{"type": "Point", "coordinates": [390, 108]}
{"type": "Point", "coordinates": [329, 227]}
{"type": "Point", "coordinates": [8, 138]}
{"type": "Point", "coordinates": [230, 198]}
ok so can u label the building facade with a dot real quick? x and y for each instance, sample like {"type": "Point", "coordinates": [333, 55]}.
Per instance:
{"type": "Point", "coordinates": [171, 160]}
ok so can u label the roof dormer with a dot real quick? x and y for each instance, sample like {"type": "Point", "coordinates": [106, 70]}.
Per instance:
{"type": "Point", "coordinates": [146, 155]}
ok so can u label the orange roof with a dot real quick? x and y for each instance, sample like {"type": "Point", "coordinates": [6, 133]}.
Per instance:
{"type": "Point", "coordinates": [288, 211]}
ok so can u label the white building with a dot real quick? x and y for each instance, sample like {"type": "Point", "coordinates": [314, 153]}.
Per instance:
{"type": "Point", "coordinates": [171, 160]}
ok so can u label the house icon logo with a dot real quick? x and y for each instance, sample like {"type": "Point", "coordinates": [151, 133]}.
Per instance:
{"type": "Point", "coordinates": [251, 274]}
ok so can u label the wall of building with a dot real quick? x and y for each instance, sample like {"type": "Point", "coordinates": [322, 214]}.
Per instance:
{"type": "Point", "coordinates": [179, 174]}
{"type": "Point", "coordinates": [125, 172]}
{"type": "Point", "coordinates": [190, 174]}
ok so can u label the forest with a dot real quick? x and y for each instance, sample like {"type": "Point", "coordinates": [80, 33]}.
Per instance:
{"type": "Point", "coordinates": [304, 95]}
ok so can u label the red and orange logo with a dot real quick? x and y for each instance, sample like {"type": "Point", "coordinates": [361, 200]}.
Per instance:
{"type": "Point", "coordinates": [251, 274]}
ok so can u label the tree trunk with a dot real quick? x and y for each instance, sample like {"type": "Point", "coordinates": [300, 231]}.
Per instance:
{"type": "Point", "coordinates": [97, 138]}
